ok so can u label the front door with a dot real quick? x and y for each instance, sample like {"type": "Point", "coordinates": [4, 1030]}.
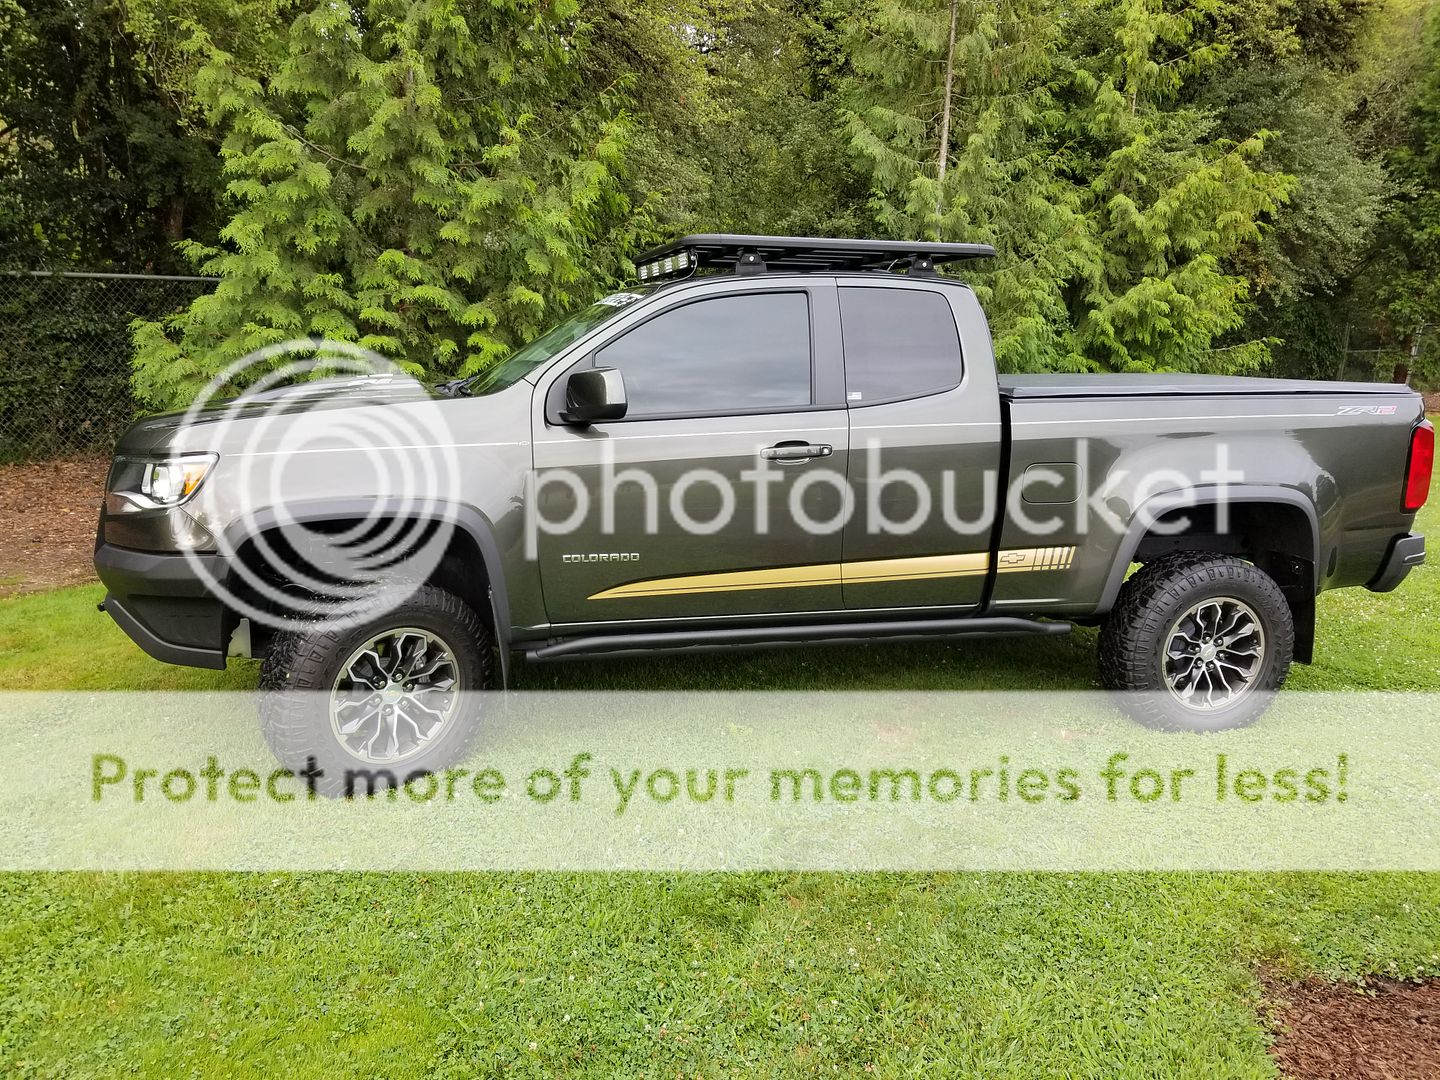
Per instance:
{"type": "Point", "coordinates": [721, 491]}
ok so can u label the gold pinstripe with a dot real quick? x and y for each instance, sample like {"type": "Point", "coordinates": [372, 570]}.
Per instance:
{"type": "Point", "coordinates": [867, 572]}
{"type": "Point", "coordinates": [1024, 559]}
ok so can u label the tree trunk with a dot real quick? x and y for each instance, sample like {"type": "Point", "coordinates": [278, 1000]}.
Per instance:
{"type": "Point", "coordinates": [172, 228]}
{"type": "Point", "coordinates": [1344, 352]}
{"type": "Point", "coordinates": [944, 156]}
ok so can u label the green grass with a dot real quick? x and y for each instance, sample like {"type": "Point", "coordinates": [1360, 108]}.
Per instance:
{"type": "Point", "coordinates": [474, 974]}
{"type": "Point", "coordinates": [1013, 975]}
{"type": "Point", "coordinates": [59, 641]}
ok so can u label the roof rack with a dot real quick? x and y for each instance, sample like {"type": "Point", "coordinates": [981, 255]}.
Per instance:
{"type": "Point", "coordinates": [761, 254]}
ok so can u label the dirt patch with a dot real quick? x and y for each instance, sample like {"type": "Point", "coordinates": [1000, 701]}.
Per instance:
{"type": "Point", "coordinates": [1384, 1031]}
{"type": "Point", "coordinates": [48, 512]}
{"type": "Point", "coordinates": [1432, 402]}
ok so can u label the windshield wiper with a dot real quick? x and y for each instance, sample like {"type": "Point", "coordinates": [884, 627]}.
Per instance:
{"type": "Point", "coordinates": [453, 388]}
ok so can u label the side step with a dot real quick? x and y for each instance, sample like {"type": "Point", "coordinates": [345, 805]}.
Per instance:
{"type": "Point", "coordinates": [773, 637]}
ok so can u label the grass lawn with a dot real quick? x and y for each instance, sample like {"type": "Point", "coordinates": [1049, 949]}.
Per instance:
{"type": "Point", "coordinates": [1010, 975]}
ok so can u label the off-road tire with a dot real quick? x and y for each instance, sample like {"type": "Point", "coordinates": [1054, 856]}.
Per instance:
{"type": "Point", "coordinates": [299, 673]}
{"type": "Point", "coordinates": [1135, 635]}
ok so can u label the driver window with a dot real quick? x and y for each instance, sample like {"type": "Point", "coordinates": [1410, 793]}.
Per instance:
{"type": "Point", "coordinates": [748, 353]}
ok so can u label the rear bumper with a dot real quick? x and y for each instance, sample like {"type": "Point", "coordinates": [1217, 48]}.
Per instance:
{"type": "Point", "coordinates": [164, 604]}
{"type": "Point", "coordinates": [1406, 553]}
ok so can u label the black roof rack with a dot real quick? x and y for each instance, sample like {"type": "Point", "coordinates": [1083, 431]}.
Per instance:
{"type": "Point", "coordinates": [759, 254]}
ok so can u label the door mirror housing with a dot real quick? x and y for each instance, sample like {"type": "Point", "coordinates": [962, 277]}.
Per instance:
{"type": "Point", "coordinates": [593, 395]}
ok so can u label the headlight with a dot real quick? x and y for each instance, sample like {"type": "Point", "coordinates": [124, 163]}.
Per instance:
{"type": "Point", "coordinates": [151, 483]}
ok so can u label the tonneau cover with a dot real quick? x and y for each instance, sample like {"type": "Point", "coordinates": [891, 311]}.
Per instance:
{"type": "Point", "coordinates": [1160, 385]}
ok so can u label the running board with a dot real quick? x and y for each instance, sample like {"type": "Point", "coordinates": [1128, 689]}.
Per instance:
{"type": "Point", "coordinates": [774, 637]}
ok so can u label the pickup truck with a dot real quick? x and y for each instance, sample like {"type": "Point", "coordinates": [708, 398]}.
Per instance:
{"type": "Point", "coordinates": [768, 441]}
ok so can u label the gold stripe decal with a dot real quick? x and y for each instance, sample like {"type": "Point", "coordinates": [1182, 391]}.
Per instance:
{"type": "Point", "coordinates": [1047, 558]}
{"type": "Point", "coordinates": [929, 566]}
{"type": "Point", "coordinates": [785, 577]}
{"type": "Point", "coordinates": [851, 573]}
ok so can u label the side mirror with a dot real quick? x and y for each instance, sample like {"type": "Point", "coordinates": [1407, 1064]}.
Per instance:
{"type": "Point", "coordinates": [594, 394]}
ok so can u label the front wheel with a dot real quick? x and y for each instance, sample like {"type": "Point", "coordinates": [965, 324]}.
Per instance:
{"type": "Point", "coordinates": [374, 703]}
{"type": "Point", "coordinates": [1197, 642]}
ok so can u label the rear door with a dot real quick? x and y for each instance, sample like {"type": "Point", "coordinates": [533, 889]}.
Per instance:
{"type": "Point", "coordinates": [736, 417]}
{"type": "Point", "coordinates": [924, 445]}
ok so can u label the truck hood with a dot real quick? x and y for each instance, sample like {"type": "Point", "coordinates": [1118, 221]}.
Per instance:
{"type": "Point", "coordinates": [219, 423]}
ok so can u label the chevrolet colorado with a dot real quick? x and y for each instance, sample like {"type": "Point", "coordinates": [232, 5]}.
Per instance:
{"type": "Point", "coordinates": [768, 441]}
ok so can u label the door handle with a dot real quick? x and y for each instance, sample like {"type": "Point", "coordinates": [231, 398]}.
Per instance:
{"type": "Point", "coordinates": [793, 453]}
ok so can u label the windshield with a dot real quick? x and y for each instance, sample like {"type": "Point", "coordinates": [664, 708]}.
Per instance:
{"type": "Point", "coordinates": [525, 360]}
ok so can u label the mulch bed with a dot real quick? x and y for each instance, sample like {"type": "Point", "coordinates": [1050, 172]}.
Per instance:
{"type": "Point", "coordinates": [1432, 402]}
{"type": "Point", "coordinates": [1386, 1030]}
{"type": "Point", "coordinates": [48, 511]}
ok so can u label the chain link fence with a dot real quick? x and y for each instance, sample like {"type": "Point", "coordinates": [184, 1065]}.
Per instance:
{"type": "Point", "coordinates": [65, 356]}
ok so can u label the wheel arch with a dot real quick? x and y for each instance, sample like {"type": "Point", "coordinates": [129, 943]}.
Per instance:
{"type": "Point", "coordinates": [1277, 528]}
{"type": "Point", "coordinates": [471, 568]}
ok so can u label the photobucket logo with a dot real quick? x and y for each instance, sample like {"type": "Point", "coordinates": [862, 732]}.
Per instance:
{"type": "Point", "coordinates": [334, 476]}
{"type": "Point", "coordinates": [1084, 493]}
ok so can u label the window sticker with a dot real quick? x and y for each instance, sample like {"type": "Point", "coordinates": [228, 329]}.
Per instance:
{"type": "Point", "coordinates": [620, 299]}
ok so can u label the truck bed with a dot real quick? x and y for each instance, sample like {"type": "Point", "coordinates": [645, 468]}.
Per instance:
{"type": "Point", "coordinates": [1333, 453]}
{"type": "Point", "coordinates": [1168, 385]}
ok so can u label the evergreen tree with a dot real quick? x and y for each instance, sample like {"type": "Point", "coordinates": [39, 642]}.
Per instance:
{"type": "Point", "coordinates": [96, 171]}
{"type": "Point", "coordinates": [949, 117]}
{"type": "Point", "coordinates": [1057, 132]}
{"type": "Point", "coordinates": [431, 180]}
{"type": "Point", "coordinates": [1170, 183]}
{"type": "Point", "coordinates": [1165, 204]}
{"type": "Point", "coordinates": [173, 39]}
{"type": "Point", "coordinates": [1407, 270]}
{"type": "Point", "coordinates": [773, 158]}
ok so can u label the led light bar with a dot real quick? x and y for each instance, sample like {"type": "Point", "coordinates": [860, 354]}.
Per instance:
{"type": "Point", "coordinates": [666, 267]}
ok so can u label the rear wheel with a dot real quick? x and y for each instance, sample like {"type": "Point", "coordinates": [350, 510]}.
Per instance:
{"type": "Point", "coordinates": [1198, 642]}
{"type": "Point", "coordinates": [372, 704]}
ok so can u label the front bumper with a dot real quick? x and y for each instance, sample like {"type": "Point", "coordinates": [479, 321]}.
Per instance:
{"type": "Point", "coordinates": [163, 602]}
{"type": "Point", "coordinates": [1406, 553]}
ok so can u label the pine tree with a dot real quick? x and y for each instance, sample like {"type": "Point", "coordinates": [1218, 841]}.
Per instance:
{"type": "Point", "coordinates": [950, 109]}
{"type": "Point", "coordinates": [1407, 269]}
{"type": "Point", "coordinates": [96, 170]}
{"type": "Point", "coordinates": [1164, 204]}
{"type": "Point", "coordinates": [431, 180]}
{"type": "Point", "coordinates": [1057, 132]}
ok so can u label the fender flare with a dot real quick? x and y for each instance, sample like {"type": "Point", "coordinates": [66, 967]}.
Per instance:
{"type": "Point", "coordinates": [462, 517]}
{"type": "Point", "coordinates": [1212, 495]}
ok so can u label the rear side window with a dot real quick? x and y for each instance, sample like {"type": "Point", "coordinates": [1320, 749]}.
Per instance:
{"type": "Point", "coordinates": [746, 353]}
{"type": "Point", "coordinates": [899, 343]}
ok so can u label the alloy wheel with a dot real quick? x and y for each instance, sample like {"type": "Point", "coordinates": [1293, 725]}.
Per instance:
{"type": "Point", "coordinates": [1213, 653]}
{"type": "Point", "coordinates": [395, 695]}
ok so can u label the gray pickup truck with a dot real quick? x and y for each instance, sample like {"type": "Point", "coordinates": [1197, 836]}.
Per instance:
{"type": "Point", "coordinates": [767, 441]}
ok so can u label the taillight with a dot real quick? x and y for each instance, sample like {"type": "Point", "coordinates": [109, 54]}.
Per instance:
{"type": "Point", "coordinates": [1422, 464]}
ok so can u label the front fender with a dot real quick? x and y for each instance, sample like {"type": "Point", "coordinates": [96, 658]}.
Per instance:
{"type": "Point", "coordinates": [466, 519]}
